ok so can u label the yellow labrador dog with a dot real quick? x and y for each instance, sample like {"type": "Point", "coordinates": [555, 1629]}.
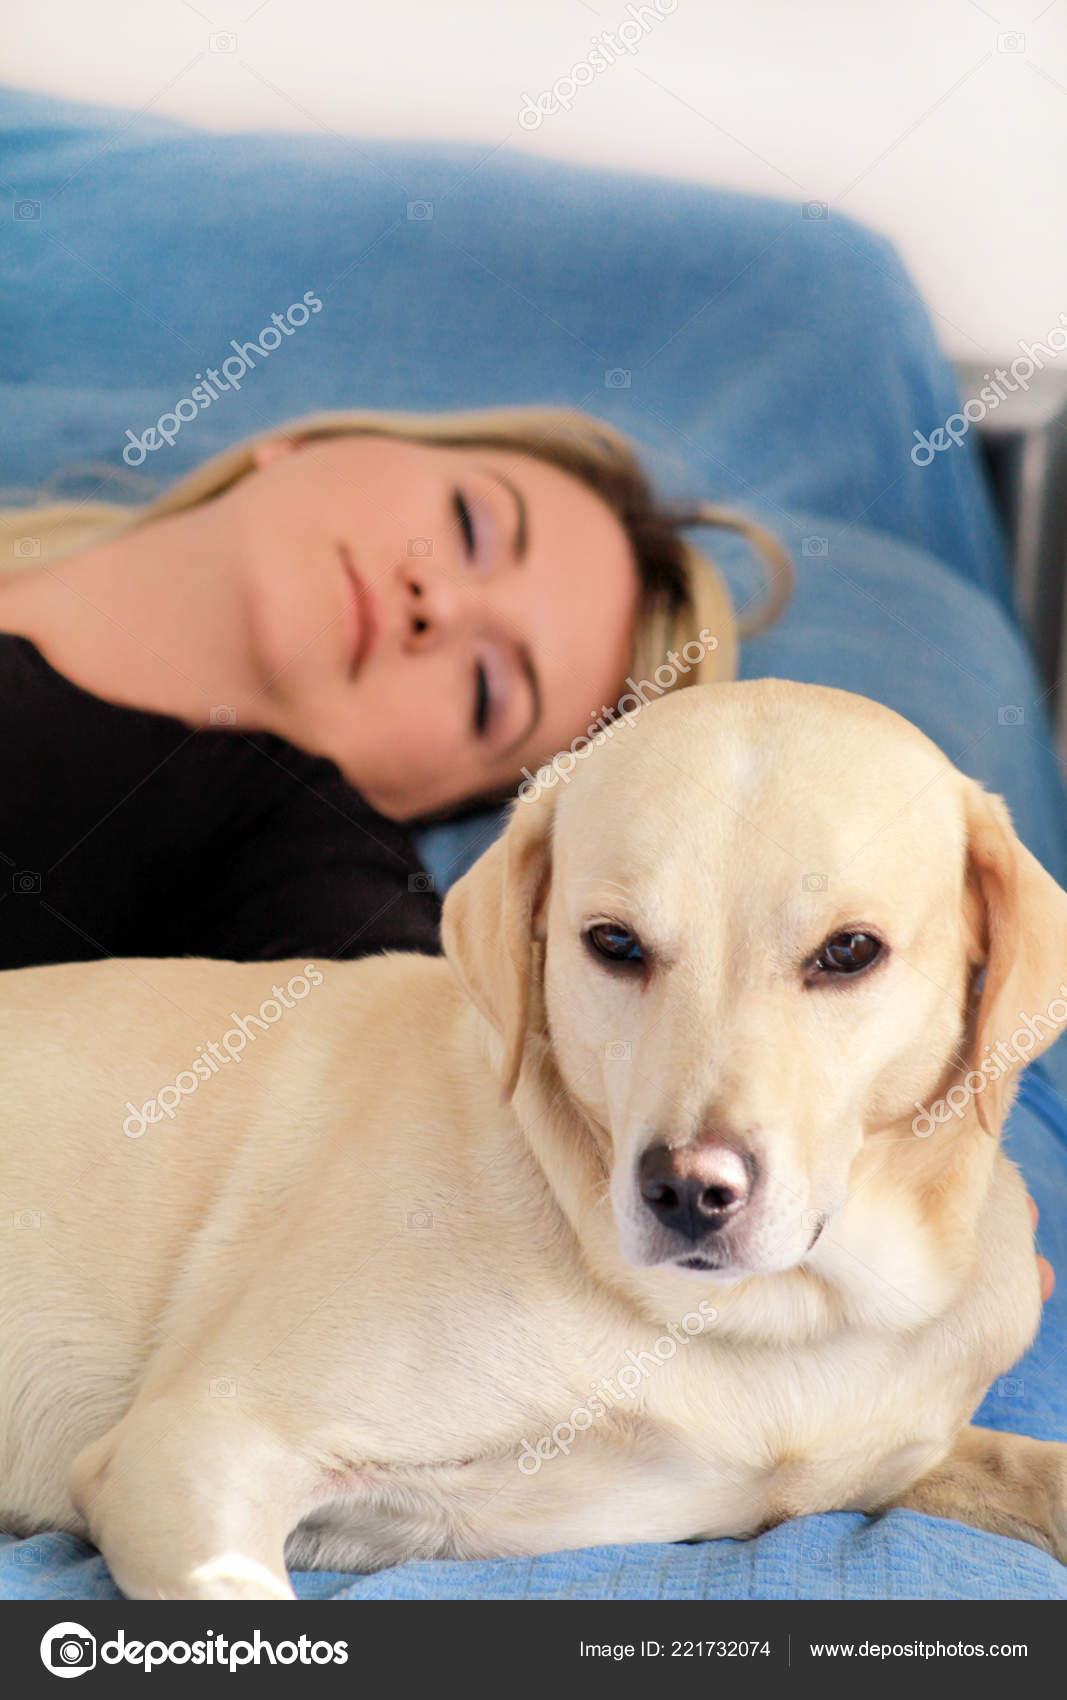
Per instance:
{"type": "Point", "coordinates": [670, 1205]}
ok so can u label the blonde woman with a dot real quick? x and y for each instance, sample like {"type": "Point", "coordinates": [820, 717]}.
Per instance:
{"type": "Point", "coordinates": [223, 709]}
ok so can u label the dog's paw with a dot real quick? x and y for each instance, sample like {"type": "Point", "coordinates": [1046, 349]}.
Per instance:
{"type": "Point", "coordinates": [1057, 1499]}
{"type": "Point", "coordinates": [231, 1576]}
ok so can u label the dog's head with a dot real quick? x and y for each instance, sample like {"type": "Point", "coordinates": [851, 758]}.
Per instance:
{"type": "Point", "coordinates": [761, 924]}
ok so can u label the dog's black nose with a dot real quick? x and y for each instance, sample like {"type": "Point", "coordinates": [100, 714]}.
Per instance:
{"type": "Point", "coordinates": [695, 1189]}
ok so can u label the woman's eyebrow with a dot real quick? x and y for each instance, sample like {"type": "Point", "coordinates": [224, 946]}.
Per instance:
{"type": "Point", "coordinates": [522, 529]}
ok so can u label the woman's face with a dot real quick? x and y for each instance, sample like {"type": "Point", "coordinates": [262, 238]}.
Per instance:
{"type": "Point", "coordinates": [432, 619]}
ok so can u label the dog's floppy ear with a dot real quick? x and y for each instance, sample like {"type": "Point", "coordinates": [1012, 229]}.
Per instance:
{"type": "Point", "coordinates": [491, 918]}
{"type": "Point", "coordinates": [1015, 916]}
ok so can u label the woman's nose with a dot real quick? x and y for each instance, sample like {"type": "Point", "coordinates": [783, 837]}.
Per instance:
{"type": "Point", "coordinates": [434, 606]}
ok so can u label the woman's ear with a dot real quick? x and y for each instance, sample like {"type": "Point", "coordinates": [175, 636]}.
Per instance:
{"type": "Point", "coordinates": [1015, 916]}
{"type": "Point", "coordinates": [491, 919]}
{"type": "Point", "coordinates": [270, 449]}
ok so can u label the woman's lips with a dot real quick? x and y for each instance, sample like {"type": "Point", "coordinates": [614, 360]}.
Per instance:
{"type": "Point", "coordinates": [360, 618]}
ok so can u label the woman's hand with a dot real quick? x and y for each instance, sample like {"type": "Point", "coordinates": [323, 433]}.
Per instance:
{"type": "Point", "coordinates": [1044, 1267]}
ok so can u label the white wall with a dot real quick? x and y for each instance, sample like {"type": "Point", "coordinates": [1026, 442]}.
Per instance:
{"type": "Point", "coordinates": [942, 122]}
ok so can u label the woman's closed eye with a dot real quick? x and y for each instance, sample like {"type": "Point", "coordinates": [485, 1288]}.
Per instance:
{"type": "Point", "coordinates": [485, 696]}
{"type": "Point", "coordinates": [494, 691]}
{"type": "Point", "coordinates": [482, 700]}
{"type": "Point", "coordinates": [505, 694]}
{"type": "Point", "coordinates": [477, 527]}
{"type": "Point", "coordinates": [465, 521]}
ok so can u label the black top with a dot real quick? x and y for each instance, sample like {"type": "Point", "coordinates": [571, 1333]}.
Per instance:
{"type": "Point", "coordinates": [123, 833]}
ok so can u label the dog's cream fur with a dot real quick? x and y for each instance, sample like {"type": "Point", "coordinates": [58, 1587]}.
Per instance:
{"type": "Point", "coordinates": [317, 1313]}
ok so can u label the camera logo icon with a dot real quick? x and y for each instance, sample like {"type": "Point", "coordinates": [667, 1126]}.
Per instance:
{"type": "Point", "coordinates": [26, 881]}
{"type": "Point", "coordinates": [27, 548]}
{"type": "Point", "coordinates": [223, 41]}
{"type": "Point", "coordinates": [420, 545]}
{"type": "Point", "coordinates": [815, 882]}
{"type": "Point", "coordinates": [1011, 714]}
{"type": "Point", "coordinates": [420, 882]}
{"type": "Point", "coordinates": [419, 211]}
{"type": "Point", "coordinates": [815, 546]}
{"type": "Point", "coordinates": [68, 1649]}
{"type": "Point", "coordinates": [419, 1221]}
{"type": "Point", "coordinates": [1011, 42]}
{"type": "Point", "coordinates": [223, 715]}
{"type": "Point", "coordinates": [25, 210]}
{"type": "Point", "coordinates": [816, 209]}
{"type": "Point", "coordinates": [618, 1050]}
{"type": "Point", "coordinates": [617, 378]}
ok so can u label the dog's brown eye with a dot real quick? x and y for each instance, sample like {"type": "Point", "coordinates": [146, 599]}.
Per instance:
{"type": "Point", "coordinates": [848, 953]}
{"type": "Point", "coordinates": [614, 942]}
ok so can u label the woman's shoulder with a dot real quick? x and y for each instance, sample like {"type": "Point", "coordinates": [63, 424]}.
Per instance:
{"type": "Point", "coordinates": [102, 745]}
{"type": "Point", "coordinates": [26, 669]}
{"type": "Point", "coordinates": [20, 656]}
{"type": "Point", "coordinates": [127, 832]}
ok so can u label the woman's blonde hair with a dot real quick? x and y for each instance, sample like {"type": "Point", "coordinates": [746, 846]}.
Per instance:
{"type": "Point", "coordinates": [682, 592]}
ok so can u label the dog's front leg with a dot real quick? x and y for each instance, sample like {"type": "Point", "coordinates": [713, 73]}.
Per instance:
{"type": "Point", "coordinates": [1005, 1483]}
{"type": "Point", "coordinates": [191, 1503]}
